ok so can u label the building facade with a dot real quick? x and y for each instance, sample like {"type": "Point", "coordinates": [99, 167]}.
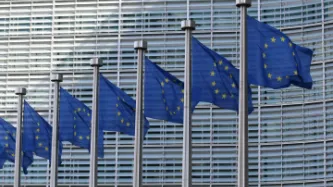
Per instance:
{"type": "Point", "coordinates": [290, 132]}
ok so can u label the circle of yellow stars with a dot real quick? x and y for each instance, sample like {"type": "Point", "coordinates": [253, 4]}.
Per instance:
{"type": "Point", "coordinates": [167, 108]}
{"type": "Point", "coordinates": [264, 56]}
{"type": "Point", "coordinates": [119, 114]}
{"type": "Point", "coordinates": [76, 113]}
{"type": "Point", "coordinates": [220, 64]}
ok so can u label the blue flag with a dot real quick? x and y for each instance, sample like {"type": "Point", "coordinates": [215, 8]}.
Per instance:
{"type": "Point", "coordinates": [116, 109]}
{"type": "Point", "coordinates": [37, 136]}
{"type": "Point", "coordinates": [274, 60]}
{"type": "Point", "coordinates": [164, 94]}
{"type": "Point", "coordinates": [215, 78]}
{"type": "Point", "coordinates": [7, 142]}
{"type": "Point", "coordinates": [74, 122]}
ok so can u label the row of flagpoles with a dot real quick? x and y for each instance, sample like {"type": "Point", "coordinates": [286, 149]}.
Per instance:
{"type": "Point", "coordinates": [215, 80]}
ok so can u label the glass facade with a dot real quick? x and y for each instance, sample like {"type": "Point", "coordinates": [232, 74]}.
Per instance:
{"type": "Point", "coordinates": [290, 132]}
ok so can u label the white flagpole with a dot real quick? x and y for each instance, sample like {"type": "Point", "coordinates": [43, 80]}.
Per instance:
{"type": "Point", "coordinates": [56, 78]}
{"type": "Point", "coordinates": [188, 26]}
{"type": "Point", "coordinates": [96, 64]}
{"type": "Point", "coordinates": [243, 179]}
{"type": "Point", "coordinates": [140, 46]}
{"type": "Point", "coordinates": [18, 144]}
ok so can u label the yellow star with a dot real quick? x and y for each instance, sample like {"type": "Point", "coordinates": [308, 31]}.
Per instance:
{"type": "Point", "coordinates": [164, 100]}
{"type": "Point", "coordinates": [13, 154]}
{"type": "Point", "coordinates": [88, 114]}
{"type": "Point", "coordinates": [80, 137]}
{"type": "Point", "coordinates": [230, 76]}
{"type": "Point", "coordinates": [6, 144]}
{"type": "Point", "coordinates": [74, 133]}
{"type": "Point", "coordinates": [117, 105]}
{"type": "Point", "coordinates": [74, 111]}
{"type": "Point", "coordinates": [118, 98]}
{"type": "Point", "coordinates": [37, 137]}
{"type": "Point", "coordinates": [88, 137]}
{"type": "Point", "coordinates": [273, 40]}
{"type": "Point", "coordinates": [37, 130]}
{"type": "Point", "coordinates": [264, 55]}
{"type": "Point", "coordinates": [282, 39]}
{"type": "Point", "coordinates": [174, 113]}
{"type": "Point", "coordinates": [84, 110]}
{"type": "Point", "coordinates": [265, 66]}
{"type": "Point", "coordinates": [46, 148]}
{"type": "Point", "coordinates": [233, 85]}
{"type": "Point", "coordinates": [40, 144]}
{"type": "Point", "coordinates": [128, 124]}
{"type": "Point", "coordinates": [287, 77]}
{"type": "Point", "coordinates": [295, 72]}
{"type": "Point", "coordinates": [293, 53]}
{"type": "Point", "coordinates": [224, 96]}
{"type": "Point", "coordinates": [217, 91]}
{"type": "Point", "coordinates": [226, 68]}
{"type": "Point", "coordinates": [214, 64]}
{"type": "Point", "coordinates": [269, 75]}
{"type": "Point", "coordinates": [266, 45]}
{"type": "Point", "coordinates": [166, 80]}
{"type": "Point", "coordinates": [170, 113]}
{"type": "Point", "coordinates": [213, 83]}
{"type": "Point", "coordinates": [182, 100]}
{"type": "Point", "coordinates": [6, 137]}
{"type": "Point", "coordinates": [118, 113]}
{"type": "Point", "coordinates": [74, 118]}
{"type": "Point", "coordinates": [162, 91]}
{"type": "Point", "coordinates": [220, 62]}
{"type": "Point", "coordinates": [38, 124]}
{"type": "Point", "coordinates": [178, 108]}
{"type": "Point", "coordinates": [166, 108]}
{"type": "Point", "coordinates": [279, 78]}
{"type": "Point", "coordinates": [232, 96]}
{"type": "Point", "coordinates": [78, 109]}
{"type": "Point", "coordinates": [122, 120]}
{"type": "Point", "coordinates": [212, 73]}
{"type": "Point", "coordinates": [182, 90]}
{"type": "Point", "coordinates": [162, 83]}
{"type": "Point", "coordinates": [290, 44]}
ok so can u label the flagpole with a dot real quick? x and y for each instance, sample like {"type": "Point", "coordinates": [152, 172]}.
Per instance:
{"type": "Point", "coordinates": [140, 46]}
{"type": "Point", "coordinates": [243, 179]}
{"type": "Point", "coordinates": [96, 63]}
{"type": "Point", "coordinates": [56, 78]}
{"type": "Point", "coordinates": [18, 144]}
{"type": "Point", "coordinates": [188, 26]}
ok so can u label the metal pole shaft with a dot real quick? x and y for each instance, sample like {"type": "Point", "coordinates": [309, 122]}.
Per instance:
{"type": "Point", "coordinates": [57, 78]}
{"type": "Point", "coordinates": [188, 26]}
{"type": "Point", "coordinates": [242, 179]}
{"type": "Point", "coordinates": [18, 144]}
{"type": "Point", "coordinates": [140, 46]}
{"type": "Point", "coordinates": [96, 64]}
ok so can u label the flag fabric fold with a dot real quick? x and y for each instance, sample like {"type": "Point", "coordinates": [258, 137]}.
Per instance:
{"type": "Point", "coordinates": [37, 136]}
{"type": "Point", "coordinates": [164, 94]}
{"type": "Point", "coordinates": [274, 61]}
{"type": "Point", "coordinates": [215, 78]}
{"type": "Point", "coordinates": [75, 122]}
{"type": "Point", "coordinates": [7, 143]}
{"type": "Point", "coordinates": [116, 109]}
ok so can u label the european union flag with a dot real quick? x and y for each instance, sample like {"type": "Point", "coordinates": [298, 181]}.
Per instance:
{"type": "Point", "coordinates": [215, 78]}
{"type": "Point", "coordinates": [74, 122]}
{"type": "Point", "coordinates": [274, 60]}
{"type": "Point", "coordinates": [7, 142]}
{"type": "Point", "coordinates": [37, 136]}
{"type": "Point", "coordinates": [116, 109]}
{"type": "Point", "coordinates": [164, 94]}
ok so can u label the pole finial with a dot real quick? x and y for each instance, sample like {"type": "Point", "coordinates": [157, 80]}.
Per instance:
{"type": "Point", "coordinates": [96, 62]}
{"type": "Point", "coordinates": [240, 3]}
{"type": "Point", "coordinates": [188, 24]}
{"type": "Point", "coordinates": [57, 77]}
{"type": "Point", "coordinates": [20, 91]}
{"type": "Point", "coordinates": [140, 44]}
